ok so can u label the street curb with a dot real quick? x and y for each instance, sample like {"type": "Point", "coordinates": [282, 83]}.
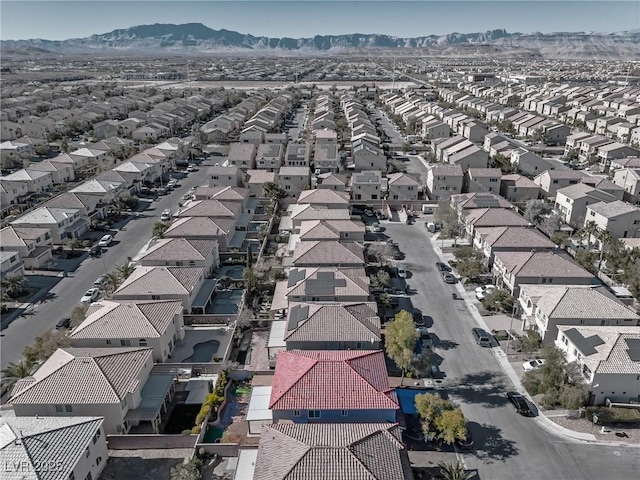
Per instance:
{"type": "Point", "coordinates": [541, 418]}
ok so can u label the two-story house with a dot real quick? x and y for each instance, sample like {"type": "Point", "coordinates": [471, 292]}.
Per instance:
{"type": "Point", "coordinates": [270, 157]}
{"type": "Point", "coordinates": [401, 186]}
{"type": "Point", "coordinates": [182, 252]}
{"type": "Point", "coordinates": [571, 202]}
{"type": "Point", "coordinates": [482, 180]}
{"type": "Point", "coordinates": [33, 244]}
{"type": "Point", "coordinates": [242, 155]}
{"type": "Point", "coordinates": [620, 218]}
{"type": "Point", "coordinates": [490, 240]}
{"type": "Point", "coordinates": [366, 185]}
{"type": "Point", "coordinates": [444, 181]}
{"type": "Point", "coordinates": [517, 188]}
{"type": "Point", "coordinates": [550, 181]}
{"type": "Point", "coordinates": [294, 180]}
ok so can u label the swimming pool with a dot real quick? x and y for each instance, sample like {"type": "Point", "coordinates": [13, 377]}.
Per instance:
{"type": "Point", "coordinates": [407, 396]}
{"type": "Point", "coordinates": [226, 302]}
{"type": "Point", "coordinates": [203, 352]}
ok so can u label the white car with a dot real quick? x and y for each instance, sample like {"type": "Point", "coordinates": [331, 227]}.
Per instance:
{"type": "Point", "coordinates": [368, 212]}
{"type": "Point", "coordinates": [90, 295]}
{"type": "Point", "coordinates": [485, 290]}
{"type": "Point", "coordinates": [375, 227]}
{"type": "Point", "coordinates": [532, 364]}
{"type": "Point", "coordinates": [105, 241]}
{"type": "Point", "coordinates": [402, 273]}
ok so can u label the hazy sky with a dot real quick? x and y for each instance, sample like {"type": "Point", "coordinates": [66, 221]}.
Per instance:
{"type": "Point", "coordinates": [58, 20]}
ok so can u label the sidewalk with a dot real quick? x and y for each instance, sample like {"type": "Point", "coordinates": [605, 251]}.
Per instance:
{"type": "Point", "coordinates": [503, 360]}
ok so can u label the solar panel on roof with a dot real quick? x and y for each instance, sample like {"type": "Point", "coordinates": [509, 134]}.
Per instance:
{"type": "Point", "coordinates": [595, 340]}
{"type": "Point", "coordinates": [486, 201]}
{"type": "Point", "coordinates": [633, 349]}
{"type": "Point", "coordinates": [580, 342]}
{"type": "Point", "coordinates": [296, 315]}
{"type": "Point", "coordinates": [295, 276]}
{"type": "Point", "coordinates": [324, 284]}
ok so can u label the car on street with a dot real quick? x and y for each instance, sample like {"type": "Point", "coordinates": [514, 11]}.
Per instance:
{"type": "Point", "coordinates": [173, 183]}
{"type": "Point", "coordinates": [402, 273]}
{"type": "Point", "coordinates": [481, 337]}
{"type": "Point", "coordinates": [448, 278]}
{"type": "Point", "coordinates": [100, 280]}
{"type": "Point", "coordinates": [187, 196]}
{"type": "Point", "coordinates": [105, 241]}
{"type": "Point", "coordinates": [484, 290]}
{"type": "Point", "coordinates": [427, 340]}
{"type": "Point", "coordinates": [192, 168]}
{"type": "Point", "coordinates": [519, 403]}
{"type": "Point", "coordinates": [443, 267]}
{"type": "Point", "coordinates": [422, 331]}
{"type": "Point", "coordinates": [368, 212]}
{"type": "Point", "coordinates": [63, 323]}
{"type": "Point", "coordinates": [90, 295]}
{"type": "Point", "coordinates": [95, 251]}
{"type": "Point", "coordinates": [533, 364]}
{"type": "Point", "coordinates": [166, 215]}
{"type": "Point", "coordinates": [375, 227]}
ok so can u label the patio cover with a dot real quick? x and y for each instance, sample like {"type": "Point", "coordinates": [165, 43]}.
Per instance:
{"type": "Point", "coordinates": [238, 239]}
{"type": "Point", "coordinates": [153, 395]}
{"type": "Point", "coordinates": [198, 389]}
{"type": "Point", "coordinates": [204, 295]}
{"type": "Point", "coordinates": [259, 405]}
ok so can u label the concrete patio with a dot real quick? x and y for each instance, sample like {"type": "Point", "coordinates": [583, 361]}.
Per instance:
{"type": "Point", "coordinates": [195, 335]}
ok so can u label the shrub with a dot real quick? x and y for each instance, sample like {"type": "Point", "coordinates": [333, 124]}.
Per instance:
{"type": "Point", "coordinates": [196, 430]}
{"type": "Point", "coordinates": [213, 400]}
{"type": "Point", "coordinates": [204, 411]}
{"type": "Point", "coordinates": [614, 414]}
{"type": "Point", "coordinates": [531, 382]}
{"type": "Point", "coordinates": [573, 396]}
{"type": "Point", "coordinates": [185, 432]}
{"type": "Point", "coordinates": [551, 399]}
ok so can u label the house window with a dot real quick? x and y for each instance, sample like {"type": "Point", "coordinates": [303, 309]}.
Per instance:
{"type": "Point", "coordinates": [296, 413]}
{"type": "Point", "coordinates": [555, 181]}
{"type": "Point", "coordinates": [344, 413]}
{"type": "Point", "coordinates": [314, 413]}
{"type": "Point", "coordinates": [142, 342]}
{"type": "Point", "coordinates": [410, 188]}
{"type": "Point", "coordinates": [96, 437]}
{"type": "Point", "coordinates": [68, 408]}
{"type": "Point", "coordinates": [59, 408]}
{"type": "Point", "coordinates": [108, 342]}
{"type": "Point", "coordinates": [359, 345]}
{"type": "Point", "coordinates": [125, 343]}
{"type": "Point", "coordinates": [87, 452]}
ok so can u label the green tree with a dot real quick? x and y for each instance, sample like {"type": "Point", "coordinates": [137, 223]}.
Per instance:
{"type": "Point", "coordinates": [440, 418]}
{"type": "Point", "coordinates": [454, 471]}
{"type": "Point", "coordinates": [111, 283]}
{"type": "Point", "coordinates": [531, 342]}
{"type": "Point", "coordinates": [380, 279]}
{"type": "Point", "coordinates": [400, 340]}
{"type": "Point", "coordinates": [125, 270]}
{"type": "Point", "coordinates": [159, 229]}
{"type": "Point", "coordinates": [587, 260]}
{"type": "Point", "coordinates": [535, 210]}
{"type": "Point", "coordinates": [470, 263]}
{"type": "Point", "coordinates": [16, 371]}
{"type": "Point", "coordinates": [498, 300]}
{"type": "Point", "coordinates": [554, 369]}
{"type": "Point", "coordinates": [574, 396]}
{"type": "Point", "coordinates": [587, 232]}
{"type": "Point", "coordinates": [250, 284]}
{"type": "Point", "coordinates": [273, 191]}
{"type": "Point", "coordinates": [73, 243]}
{"type": "Point", "coordinates": [605, 238]}
{"type": "Point", "coordinates": [13, 284]}
{"type": "Point", "coordinates": [447, 216]}
{"type": "Point", "coordinates": [421, 364]}
{"type": "Point", "coordinates": [192, 470]}
{"type": "Point", "coordinates": [560, 238]}
{"type": "Point", "coordinates": [45, 345]}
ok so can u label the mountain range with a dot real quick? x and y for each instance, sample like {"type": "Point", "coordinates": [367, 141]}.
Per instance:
{"type": "Point", "coordinates": [198, 39]}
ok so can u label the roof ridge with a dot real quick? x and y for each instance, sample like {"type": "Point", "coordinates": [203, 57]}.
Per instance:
{"type": "Point", "coordinates": [313, 362]}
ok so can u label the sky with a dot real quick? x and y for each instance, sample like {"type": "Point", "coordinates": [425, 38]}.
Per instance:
{"type": "Point", "coordinates": [59, 20]}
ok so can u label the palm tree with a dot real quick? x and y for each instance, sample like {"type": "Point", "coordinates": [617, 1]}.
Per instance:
{"type": "Point", "coordinates": [587, 231]}
{"type": "Point", "coordinates": [125, 270]}
{"type": "Point", "coordinates": [16, 371]}
{"type": "Point", "coordinates": [605, 237]}
{"type": "Point", "coordinates": [13, 284]}
{"type": "Point", "coordinates": [159, 228]}
{"type": "Point", "coordinates": [454, 471]}
{"type": "Point", "coordinates": [111, 283]}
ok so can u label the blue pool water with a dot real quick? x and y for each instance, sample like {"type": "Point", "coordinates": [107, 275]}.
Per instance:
{"type": "Point", "coordinates": [407, 399]}
{"type": "Point", "coordinates": [203, 352]}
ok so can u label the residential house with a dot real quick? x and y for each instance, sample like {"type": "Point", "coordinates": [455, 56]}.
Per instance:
{"type": "Point", "coordinates": [482, 180]}
{"type": "Point", "coordinates": [163, 283]}
{"type": "Point", "coordinates": [60, 172]}
{"type": "Point", "coordinates": [512, 269]}
{"type": "Point", "coordinates": [550, 181]}
{"type": "Point", "coordinates": [293, 180]}
{"type": "Point", "coordinates": [603, 184]}
{"type": "Point", "coordinates": [612, 151]}
{"type": "Point", "coordinates": [242, 155]}
{"type": "Point", "coordinates": [339, 230]}
{"type": "Point", "coordinates": [325, 137]}
{"type": "Point", "coordinates": [106, 128]}
{"type": "Point", "coordinates": [545, 307]}
{"type": "Point", "coordinates": [607, 358]}
{"type": "Point", "coordinates": [326, 158]}
{"type": "Point", "coordinates": [620, 218]}
{"type": "Point", "coordinates": [279, 138]}
{"type": "Point", "coordinates": [401, 186]}
{"type": "Point", "coordinates": [105, 382]}
{"type": "Point", "coordinates": [231, 176]}
{"type": "Point", "coordinates": [53, 447]}
{"type": "Point", "coordinates": [331, 181]}
{"type": "Point", "coordinates": [63, 223]}
{"type": "Point", "coordinates": [366, 185]}
{"type": "Point", "coordinates": [11, 263]}
{"type": "Point", "coordinates": [32, 244]}
{"type": "Point", "coordinates": [316, 449]}
{"type": "Point", "coordinates": [220, 230]}
{"type": "Point", "coordinates": [322, 285]}
{"type": "Point", "coordinates": [11, 192]}
{"type": "Point", "coordinates": [490, 240]}
{"type": "Point", "coordinates": [444, 181]}
{"type": "Point", "coordinates": [257, 178]}
{"type": "Point", "coordinates": [35, 181]}
{"type": "Point", "coordinates": [251, 135]}
{"type": "Point", "coordinates": [298, 155]}
{"type": "Point", "coordinates": [572, 201]}
{"type": "Point", "coordinates": [179, 252]}
{"type": "Point", "coordinates": [529, 163]}
{"type": "Point", "coordinates": [332, 387]}
{"type": "Point", "coordinates": [367, 156]}
{"type": "Point", "coordinates": [324, 198]}
{"type": "Point", "coordinates": [629, 180]}
{"type": "Point", "coordinates": [270, 156]}
{"type": "Point", "coordinates": [328, 253]}
{"type": "Point", "coordinates": [517, 188]}
{"type": "Point", "coordinates": [472, 200]}
{"type": "Point", "coordinates": [155, 324]}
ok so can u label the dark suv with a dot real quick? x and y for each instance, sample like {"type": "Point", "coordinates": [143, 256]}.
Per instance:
{"type": "Point", "coordinates": [443, 267]}
{"type": "Point", "coordinates": [520, 404]}
{"type": "Point", "coordinates": [63, 323]}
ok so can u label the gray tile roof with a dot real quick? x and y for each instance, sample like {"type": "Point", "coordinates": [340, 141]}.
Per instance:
{"type": "Point", "coordinates": [40, 441]}
{"type": "Point", "coordinates": [494, 217]}
{"type": "Point", "coordinates": [83, 376]}
{"type": "Point", "coordinates": [613, 209]}
{"type": "Point", "coordinates": [566, 301]}
{"type": "Point", "coordinates": [542, 264]}
{"type": "Point", "coordinates": [106, 319]}
{"type": "Point", "coordinates": [160, 281]}
{"type": "Point", "coordinates": [200, 227]}
{"type": "Point", "coordinates": [179, 249]}
{"type": "Point", "coordinates": [504, 237]}
{"type": "Point", "coordinates": [328, 252]}
{"type": "Point", "coordinates": [353, 451]}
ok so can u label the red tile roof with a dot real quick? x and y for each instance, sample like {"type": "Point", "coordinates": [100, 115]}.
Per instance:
{"type": "Point", "coordinates": [331, 380]}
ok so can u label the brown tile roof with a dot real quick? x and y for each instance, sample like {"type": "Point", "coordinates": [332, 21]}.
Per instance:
{"type": "Point", "coordinates": [84, 376]}
{"type": "Point", "coordinates": [328, 252]}
{"type": "Point", "coordinates": [514, 237]}
{"type": "Point", "coordinates": [160, 281]}
{"type": "Point", "coordinates": [199, 227]}
{"type": "Point", "coordinates": [480, 200]}
{"type": "Point", "coordinates": [494, 217]}
{"type": "Point", "coordinates": [323, 197]}
{"type": "Point", "coordinates": [353, 451]}
{"type": "Point", "coordinates": [212, 209]}
{"type": "Point", "coordinates": [332, 380]}
{"type": "Point", "coordinates": [328, 229]}
{"type": "Point", "coordinates": [541, 264]}
{"type": "Point", "coordinates": [179, 249]}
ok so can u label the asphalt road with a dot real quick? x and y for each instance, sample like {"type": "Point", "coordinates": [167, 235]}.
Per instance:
{"type": "Point", "coordinates": [66, 294]}
{"type": "Point", "coordinates": [507, 445]}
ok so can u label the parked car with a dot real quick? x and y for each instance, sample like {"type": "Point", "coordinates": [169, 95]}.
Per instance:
{"type": "Point", "coordinates": [519, 403]}
{"type": "Point", "coordinates": [443, 267]}
{"type": "Point", "coordinates": [166, 215]}
{"type": "Point", "coordinates": [192, 168]}
{"type": "Point", "coordinates": [422, 331]}
{"type": "Point", "coordinates": [533, 364]}
{"type": "Point", "coordinates": [466, 443]}
{"type": "Point", "coordinates": [482, 338]}
{"type": "Point", "coordinates": [427, 340]}
{"type": "Point", "coordinates": [375, 227]}
{"type": "Point", "coordinates": [402, 273]}
{"type": "Point", "coordinates": [368, 212]}
{"type": "Point", "coordinates": [448, 278]}
{"type": "Point", "coordinates": [63, 323]}
{"type": "Point", "coordinates": [187, 196]}
{"type": "Point", "coordinates": [105, 241]}
{"type": "Point", "coordinates": [485, 290]}
{"type": "Point", "coordinates": [95, 251]}
{"type": "Point", "coordinates": [90, 295]}
{"type": "Point", "coordinates": [100, 281]}
{"type": "Point", "coordinates": [418, 320]}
